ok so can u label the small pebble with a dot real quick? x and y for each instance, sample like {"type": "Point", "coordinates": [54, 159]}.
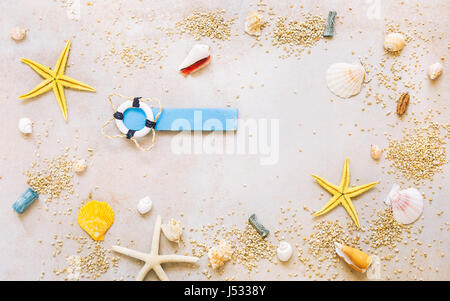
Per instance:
{"type": "Point", "coordinates": [18, 34]}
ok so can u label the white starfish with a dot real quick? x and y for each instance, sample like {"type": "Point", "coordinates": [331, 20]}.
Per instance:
{"type": "Point", "coordinates": [153, 260]}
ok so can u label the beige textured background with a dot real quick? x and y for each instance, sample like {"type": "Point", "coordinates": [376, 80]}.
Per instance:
{"type": "Point", "coordinates": [219, 184]}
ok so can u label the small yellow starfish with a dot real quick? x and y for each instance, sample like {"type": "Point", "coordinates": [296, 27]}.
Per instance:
{"type": "Point", "coordinates": [342, 194]}
{"type": "Point", "coordinates": [55, 79]}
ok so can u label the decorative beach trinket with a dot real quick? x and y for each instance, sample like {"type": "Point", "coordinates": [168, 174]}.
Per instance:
{"type": "Point", "coordinates": [144, 205]}
{"type": "Point", "coordinates": [258, 227]}
{"type": "Point", "coordinates": [172, 230]}
{"type": "Point", "coordinates": [153, 260]}
{"type": "Point", "coordinates": [357, 259]}
{"type": "Point", "coordinates": [435, 70]}
{"type": "Point", "coordinates": [220, 254]}
{"type": "Point", "coordinates": [26, 199]}
{"type": "Point", "coordinates": [55, 79]}
{"type": "Point", "coordinates": [345, 80]}
{"type": "Point", "coordinates": [375, 152]}
{"type": "Point", "coordinates": [18, 34]}
{"type": "Point", "coordinates": [342, 194]}
{"type": "Point", "coordinates": [79, 165]}
{"type": "Point", "coordinates": [25, 125]}
{"type": "Point", "coordinates": [402, 104]}
{"type": "Point", "coordinates": [407, 204]}
{"type": "Point", "coordinates": [253, 23]}
{"type": "Point", "coordinates": [197, 58]}
{"type": "Point", "coordinates": [394, 42]}
{"type": "Point", "coordinates": [284, 251]}
{"type": "Point", "coordinates": [329, 26]}
{"type": "Point", "coordinates": [95, 218]}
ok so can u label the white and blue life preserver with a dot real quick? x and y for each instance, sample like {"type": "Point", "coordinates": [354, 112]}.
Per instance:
{"type": "Point", "coordinates": [134, 118]}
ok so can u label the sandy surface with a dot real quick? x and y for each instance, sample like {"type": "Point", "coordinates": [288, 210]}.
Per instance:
{"type": "Point", "coordinates": [198, 188]}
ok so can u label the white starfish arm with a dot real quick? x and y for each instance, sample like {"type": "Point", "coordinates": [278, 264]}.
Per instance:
{"type": "Point", "coordinates": [144, 271]}
{"type": "Point", "coordinates": [160, 272]}
{"type": "Point", "coordinates": [156, 235]}
{"type": "Point", "coordinates": [177, 258]}
{"type": "Point", "coordinates": [129, 252]}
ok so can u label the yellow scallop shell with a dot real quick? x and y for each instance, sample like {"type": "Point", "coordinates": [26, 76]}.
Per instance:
{"type": "Point", "coordinates": [95, 218]}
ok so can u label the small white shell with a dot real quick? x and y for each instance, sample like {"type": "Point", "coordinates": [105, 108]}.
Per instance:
{"type": "Point", "coordinates": [18, 34]}
{"type": "Point", "coordinates": [435, 70]}
{"type": "Point", "coordinates": [345, 80]}
{"type": "Point", "coordinates": [284, 251]}
{"type": "Point", "coordinates": [144, 205]}
{"type": "Point", "coordinates": [172, 230]}
{"type": "Point", "coordinates": [253, 23]}
{"type": "Point", "coordinates": [25, 125]}
{"type": "Point", "coordinates": [80, 165]}
{"type": "Point", "coordinates": [197, 53]}
{"type": "Point", "coordinates": [394, 42]}
{"type": "Point", "coordinates": [375, 152]}
{"type": "Point", "coordinates": [407, 204]}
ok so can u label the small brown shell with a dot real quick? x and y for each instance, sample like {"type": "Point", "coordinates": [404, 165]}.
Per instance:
{"type": "Point", "coordinates": [402, 104]}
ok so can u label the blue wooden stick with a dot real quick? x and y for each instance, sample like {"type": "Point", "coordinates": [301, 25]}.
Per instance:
{"type": "Point", "coordinates": [25, 201]}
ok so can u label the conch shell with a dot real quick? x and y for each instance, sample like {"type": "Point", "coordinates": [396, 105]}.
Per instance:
{"type": "Point", "coordinates": [435, 70]}
{"type": "Point", "coordinates": [394, 42]}
{"type": "Point", "coordinates": [357, 259]}
{"type": "Point", "coordinates": [197, 58]}
{"type": "Point", "coordinates": [253, 23]}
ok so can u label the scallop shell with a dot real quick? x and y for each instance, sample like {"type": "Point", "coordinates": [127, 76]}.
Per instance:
{"type": "Point", "coordinates": [407, 204]}
{"type": "Point", "coordinates": [197, 58]}
{"type": "Point", "coordinates": [394, 42]}
{"type": "Point", "coordinates": [358, 260]}
{"type": "Point", "coordinates": [18, 34]}
{"type": "Point", "coordinates": [435, 70]}
{"type": "Point", "coordinates": [284, 251]}
{"type": "Point", "coordinates": [95, 218]}
{"type": "Point", "coordinates": [253, 23]}
{"type": "Point", "coordinates": [345, 80]}
{"type": "Point", "coordinates": [80, 165]}
{"type": "Point", "coordinates": [172, 231]}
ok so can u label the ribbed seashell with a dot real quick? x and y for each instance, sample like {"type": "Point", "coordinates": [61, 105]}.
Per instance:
{"type": "Point", "coordinates": [407, 204]}
{"type": "Point", "coordinates": [284, 251]}
{"type": "Point", "coordinates": [25, 125]}
{"type": "Point", "coordinates": [345, 80]}
{"type": "Point", "coordinates": [253, 23]}
{"type": "Point", "coordinates": [18, 34]}
{"type": "Point", "coordinates": [197, 58]}
{"type": "Point", "coordinates": [220, 254]}
{"type": "Point", "coordinates": [358, 260]}
{"type": "Point", "coordinates": [435, 70]}
{"type": "Point", "coordinates": [95, 218]}
{"type": "Point", "coordinates": [394, 42]}
{"type": "Point", "coordinates": [172, 230]}
{"type": "Point", "coordinates": [79, 165]}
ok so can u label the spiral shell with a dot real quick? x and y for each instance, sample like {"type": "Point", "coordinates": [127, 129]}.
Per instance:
{"type": "Point", "coordinates": [358, 260]}
{"type": "Point", "coordinates": [394, 42]}
{"type": "Point", "coordinates": [345, 80]}
{"type": "Point", "coordinates": [95, 218]}
{"type": "Point", "coordinates": [375, 152]}
{"type": "Point", "coordinates": [407, 204]}
{"type": "Point", "coordinates": [284, 251]}
{"type": "Point", "coordinates": [253, 23]}
{"type": "Point", "coordinates": [435, 70]}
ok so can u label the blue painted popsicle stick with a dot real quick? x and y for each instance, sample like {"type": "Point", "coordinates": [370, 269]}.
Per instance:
{"type": "Point", "coordinates": [25, 200]}
{"type": "Point", "coordinates": [196, 119]}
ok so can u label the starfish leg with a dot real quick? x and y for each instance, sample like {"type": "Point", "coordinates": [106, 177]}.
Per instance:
{"type": "Point", "coordinates": [329, 206]}
{"type": "Point", "coordinates": [74, 84]}
{"type": "Point", "coordinates": [43, 71]}
{"type": "Point", "coordinates": [345, 178]}
{"type": "Point", "coordinates": [44, 86]}
{"type": "Point", "coordinates": [354, 191]}
{"type": "Point", "coordinates": [60, 96]}
{"type": "Point", "coordinates": [131, 253]}
{"type": "Point", "coordinates": [177, 258]}
{"type": "Point", "coordinates": [348, 205]}
{"type": "Point", "coordinates": [144, 271]}
{"type": "Point", "coordinates": [156, 236]}
{"type": "Point", "coordinates": [160, 272]}
{"type": "Point", "coordinates": [327, 185]}
{"type": "Point", "coordinates": [60, 65]}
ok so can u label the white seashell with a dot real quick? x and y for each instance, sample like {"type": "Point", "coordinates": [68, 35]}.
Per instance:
{"type": "Point", "coordinates": [253, 23]}
{"type": "Point", "coordinates": [375, 152]}
{"type": "Point", "coordinates": [220, 254]}
{"type": "Point", "coordinates": [144, 205]}
{"type": "Point", "coordinates": [344, 79]}
{"type": "Point", "coordinates": [435, 70]}
{"type": "Point", "coordinates": [172, 230]}
{"type": "Point", "coordinates": [394, 42]}
{"type": "Point", "coordinates": [197, 53]}
{"type": "Point", "coordinates": [18, 34]}
{"type": "Point", "coordinates": [25, 125]}
{"type": "Point", "coordinates": [284, 251]}
{"type": "Point", "coordinates": [80, 165]}
{"type": "Point", "coordinates": [407, 204]}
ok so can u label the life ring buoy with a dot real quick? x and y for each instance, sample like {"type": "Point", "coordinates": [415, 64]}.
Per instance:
{"type": "Point", "coordinates": [134, 118]}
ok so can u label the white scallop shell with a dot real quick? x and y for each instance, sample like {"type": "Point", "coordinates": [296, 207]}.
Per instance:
{"type": "Point", "coordinates": [253, 23]}
{"type": "Point", "coordinates": [284, 251]}
{"type": "Point", "coordinates": [435, 70]}
{"type": "Point", "coordinates": [144, 205]}
{"type": "Point", "coordinates": [394, 42]}
{"type": "Point", "coordinates": [407, 204]}
{"type": "Point", "coordinates": [345, 80]}
{"type": "Point", "coordinates": [172, 230]}
{"type": "Point", "coordinates": [197, 53]}
{"type": "Point", "coordinates": [25, 125]}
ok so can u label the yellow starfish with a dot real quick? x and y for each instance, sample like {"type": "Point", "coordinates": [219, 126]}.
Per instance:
{"type": "Point", "coordinates": [55, 79]}
{"type": "Point", "coordinates": [342, 194]}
